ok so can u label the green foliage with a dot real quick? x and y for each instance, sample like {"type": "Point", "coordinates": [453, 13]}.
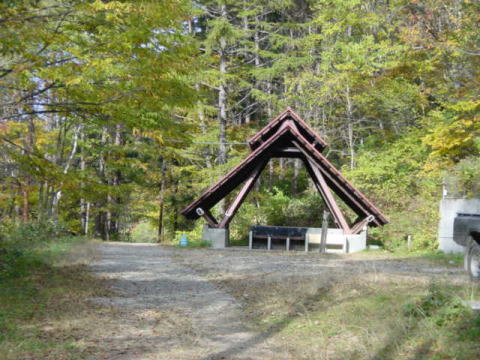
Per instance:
{"type": "Point", "coordinates": [392, 174]}
{"type": "Point", "coordinates": [28, 247]}
{"type": "Point", "coordinates": [464, 179]}
{"type": "Point", "coordinates": [194, 237]}
{"type": "Point", "coordinates": [30, 234]}
{"type": "Point", "coordinates": [88, 91]}
{"type": "Point", "coordinates": [276, 208]}
{"type": "Point", "coordinates": [300, 210]}
{"type": "Point", "coordinates": [454, 132]}
{"type": "Point", "coordinates": [143, 232]}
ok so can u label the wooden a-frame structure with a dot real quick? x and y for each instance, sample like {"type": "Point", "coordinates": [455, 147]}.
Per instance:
{"type": "Point", "coordinates": [288, 136]}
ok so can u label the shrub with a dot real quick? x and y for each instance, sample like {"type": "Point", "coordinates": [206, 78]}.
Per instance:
{"type": "Point", "coordinates": [23, 247]}
{"type": "Point", "coordinates": [27, 235]}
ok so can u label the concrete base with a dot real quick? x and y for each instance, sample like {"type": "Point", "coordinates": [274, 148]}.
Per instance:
{"type": "Point", "coordinates": [218, 238]}
{"type": "Point", "coordinates": [474, 305]}
{"type": "Point", "coordinates": [337, 241]}
{"type": "Point", "coordinates": [448, 211]}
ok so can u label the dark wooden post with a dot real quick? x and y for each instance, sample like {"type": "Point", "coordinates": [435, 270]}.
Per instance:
{"type": "Point", "coordinates": [323, 239]}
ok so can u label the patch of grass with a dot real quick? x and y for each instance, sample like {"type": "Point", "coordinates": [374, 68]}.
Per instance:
{"type": "Point", "coordinates": [434, 257]}
{"type": "Point", "coordinates": [350, 316]}
{"type": "Point", "coordinates": [44, 289]}
{"type": "Point", "coordinates": [239, 242]}
{"type": "Point", "coordinates": [194, 240]}
{"type": "Point", "coordinates": [194, 243]}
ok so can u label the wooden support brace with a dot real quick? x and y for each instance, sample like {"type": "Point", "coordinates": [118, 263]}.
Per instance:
{"type": "Point", "coordinates": [207, 215]}
{"type": "Point", "coordinates": [241, 195]}
{"type": "Point", "coordinates": [361, 224]}
{"type": "Point", "coordinates": [324, 190]}
{"type": "Point", "coordinates": [359, 207]}
{"type": "Point", "coordinates": [327, 195]}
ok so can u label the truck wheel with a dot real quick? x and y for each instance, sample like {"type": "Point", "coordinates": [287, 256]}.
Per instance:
{"type": "Point", "coordinates": [472, 259]}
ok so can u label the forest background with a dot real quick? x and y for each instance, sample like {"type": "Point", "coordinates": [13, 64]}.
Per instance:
{"type": "Point", "coordinates": [114, 115]}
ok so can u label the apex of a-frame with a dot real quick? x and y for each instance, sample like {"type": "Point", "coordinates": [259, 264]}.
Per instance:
{"type": "Point", "coordinates": [272, 127]}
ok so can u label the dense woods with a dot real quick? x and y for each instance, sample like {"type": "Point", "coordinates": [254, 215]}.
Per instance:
{"type": "Point", "coordinates": [116, 114]}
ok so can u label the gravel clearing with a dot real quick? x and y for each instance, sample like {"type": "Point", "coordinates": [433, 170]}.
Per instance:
{"type": "Point", "coordinates": [278, 265]}
{"type": "Point", "coordinates": [196, 320]}
{"type": "Point", "coordinates": [172, 305]}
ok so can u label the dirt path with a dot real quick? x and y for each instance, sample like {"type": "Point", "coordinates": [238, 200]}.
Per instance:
{"type": "Point", "coordinates": [168, 311]}
{"type": "Point", "coordinates": [195, 304]}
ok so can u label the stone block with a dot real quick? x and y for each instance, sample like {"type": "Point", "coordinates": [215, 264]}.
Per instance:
{"type": "Point", "coordinates": [218, 238]}
{"type": "Point", "coordinates": [449, 207]}
{"type": "Point", "coordinates": [337, 241]}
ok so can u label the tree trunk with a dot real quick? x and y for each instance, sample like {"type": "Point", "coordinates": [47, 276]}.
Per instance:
{"type": "Point", "coordinates": [84, 205]}
{"type": "Point", "coordinates": [113, 220]}
{"type": "Point", "coordinates": [25, 209]}
{"type": "Point", "coordinates": [58, 194]}
{"type": "Point", "coordinates": [30, 145]}
{"type": "Point", "coordinates": [222, 96]}
{"type": "Point", "coordinates": [161, 203]}
{"type": "Point", "coordinates": [350, 138]}
{"type": "Point", "coordinates": [282, 169]}
{"type": "Point", "coordinates": [270, 175]}
{"type": "Point", "coordinates": [101, 216]}
{"type": "Point", "coordinates": [222, 112]}
{"type": "Point", "coordinates": [222, 103]}
{"type": "Point", "coordinates": [40, 208]}
{"type": "Point", "coordinates": [296, 171]}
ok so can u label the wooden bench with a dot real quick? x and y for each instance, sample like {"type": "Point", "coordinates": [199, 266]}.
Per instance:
{"type": "Point", "coordinates": [286, 233]}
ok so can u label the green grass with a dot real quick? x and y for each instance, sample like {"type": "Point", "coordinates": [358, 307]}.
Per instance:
{"type": "Point", "coordinates": [389, 323]}
{"type": "Point", "coordinates": [436, 256]}
{"type": "Point", "coordinates": [41, 287]}
{"type": "Point", "coordinates": [362, 316]}
{"type": "Point", "coordinates": [431, 256]}
{"type": "Point", "coordinates": [193, 243]}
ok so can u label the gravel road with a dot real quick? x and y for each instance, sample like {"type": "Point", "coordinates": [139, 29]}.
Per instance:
{"type": "Point", "coordinates": [192, 318]}
{"type": "Point", "coordinates": [170, 304]}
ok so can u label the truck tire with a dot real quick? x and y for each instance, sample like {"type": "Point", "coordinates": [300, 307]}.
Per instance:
{"type": "Point", "coordinates": [472, 259]}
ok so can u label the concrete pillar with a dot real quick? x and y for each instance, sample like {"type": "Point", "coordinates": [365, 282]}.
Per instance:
{"type": "Point", "coordinates": [449, 207]}
{"type": "Point", "coordinates": [218, 238]}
